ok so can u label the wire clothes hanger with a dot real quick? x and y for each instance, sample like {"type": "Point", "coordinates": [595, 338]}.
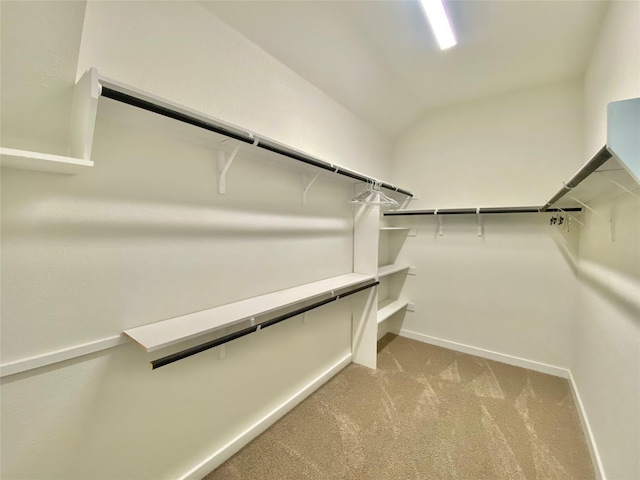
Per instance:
{"type": "Point", "coordinates": [372, 195]}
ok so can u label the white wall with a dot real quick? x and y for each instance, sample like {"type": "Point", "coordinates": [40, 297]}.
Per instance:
{"type": "Point", "coordinates": [512, 149]}
{"type": "Point", "coordinates": [512, 290]}
{"type": "Point", "coordinates": [143, 236]}
{"type": "Point", "coordinates": [606, 361]}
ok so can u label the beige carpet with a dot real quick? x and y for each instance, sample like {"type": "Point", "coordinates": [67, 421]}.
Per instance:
{"type": "Point", "coordinates": [426, 413]}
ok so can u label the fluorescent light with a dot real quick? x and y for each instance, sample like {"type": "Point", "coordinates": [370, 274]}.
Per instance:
{"type": "Point", "coordinates": [440, 25]}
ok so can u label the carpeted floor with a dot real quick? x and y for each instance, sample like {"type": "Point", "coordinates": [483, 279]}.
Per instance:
{"type": "Point", "coordinates": [425, 413]}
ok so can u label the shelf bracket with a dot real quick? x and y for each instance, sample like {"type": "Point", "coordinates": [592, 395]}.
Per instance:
{"type": "Point", "coordinates": [612, 216]}
{"type": "Point", "coordinates": [307, 187]}
{"type": "Point", "coordinates": [586, 206]}
{"type": "Point", "coordinates": [440, 223]}
{"type": "Point", "coordinates": [619, 185]}
{"type": "Point", "coordinates": [480, 232]}
{"type": "Point", "coordinates": [569, 217]}
{"type": "Point", "coordinates": [224, 162]}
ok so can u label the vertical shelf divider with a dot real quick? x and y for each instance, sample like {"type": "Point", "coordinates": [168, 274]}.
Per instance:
{"type": "Point", "coordinates": [366, 224]}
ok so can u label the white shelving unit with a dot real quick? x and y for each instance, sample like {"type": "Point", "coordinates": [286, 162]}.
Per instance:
{"type": "Point", "coordinates": [391, 274]}
{"type": "Point", "coordinates": [155, 336]}
{"type": "Point", "coordinates": [42, 162]}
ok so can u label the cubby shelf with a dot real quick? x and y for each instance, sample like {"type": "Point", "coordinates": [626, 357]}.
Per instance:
{"type": "Point", "coordinates": [155, 336]}
{"type": "Point", "coordinates": [42, 162]}
{"type": "Point", "coordinates": [388, 307]}
{"type": "Point", "coordinates": [385, 270]}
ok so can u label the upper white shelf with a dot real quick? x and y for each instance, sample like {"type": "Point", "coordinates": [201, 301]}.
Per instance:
{"type": "Point", "coordinates": [155, 336]}
{"type": "Point", "coordinates": [42, 162]}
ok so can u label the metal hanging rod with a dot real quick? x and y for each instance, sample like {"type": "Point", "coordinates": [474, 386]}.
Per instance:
{"type": "Point", "coordinates": [174, 357]}
{"type": "Point", "coordinates": [481, 211]}
{"type": "Point", "coordinates": [240, 135]}
{"type": "Point", "coordinates": [587, 169]}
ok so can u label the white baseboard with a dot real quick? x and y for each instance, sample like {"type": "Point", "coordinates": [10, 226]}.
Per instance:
{"type": "Point", "coordinates": [531, 365]}
{"type": "Point", "coordinates": [221, 455]}
{"type": "Point", "coordinates": [489, 354]}
{"type": "Point", "coordinates": [591, 441]}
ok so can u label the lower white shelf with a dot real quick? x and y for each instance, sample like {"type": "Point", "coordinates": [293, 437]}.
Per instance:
{"type": "Point", "coordinates": [388, 307]}
{"type": "Point", "coordinates": [42, 162]}
{"type": "Point", "coordinates": [155, 336]}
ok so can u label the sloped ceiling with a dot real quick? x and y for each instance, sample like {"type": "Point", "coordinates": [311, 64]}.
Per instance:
{"type": "Point", "coordinates": [380, 60]}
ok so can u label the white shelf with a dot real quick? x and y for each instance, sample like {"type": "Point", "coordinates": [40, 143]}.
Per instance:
{"type": "Point", "coordinates": [155, 336]}
{"type": "Point", "coordinates": [395, 229]}
{"type": "Point", "coordinates": [385, 270]}
{"type": "Point", "coordinates": [42, 162]}
{"type": "Point", "coordinates": [388, 307]}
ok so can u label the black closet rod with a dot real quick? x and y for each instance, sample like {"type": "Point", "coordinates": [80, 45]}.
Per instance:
{"type": "Point", "coordinates": [587, 169]}
{"type": "Point", "coordinates": [482, 211]}
{"type": "Point", "coordinates": [174, 357]}
{"type": "Point", "coordinates": [240, 135]}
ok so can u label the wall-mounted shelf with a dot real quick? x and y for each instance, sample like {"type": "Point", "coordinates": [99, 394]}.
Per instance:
{"type": "Point", "coordinates": [81, 128]}
{"type": "Point", "coordinates": [389, 307]}
{"type": "Point", "coordinates": [42, 162]}
{"type": "Point", "coordinates": [615, 168]}
{"type": "Point", "coordinates": [385, 270]}
{"type": "Point", "coordinates": [132, 96]}
{"type": "Point", "coordinates": [476, 211]}
{"type": "Point", "coordinates": [155, 336]}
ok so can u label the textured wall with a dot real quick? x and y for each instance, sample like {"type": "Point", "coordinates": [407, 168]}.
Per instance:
{"type": "Point", "coordinates": [512, 149]}
{"type": "Point", "coordinates": [606, 363]}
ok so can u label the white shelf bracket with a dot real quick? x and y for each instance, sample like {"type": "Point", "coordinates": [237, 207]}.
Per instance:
{"type": "Point", "coordinates": [480, 230]}
{"type": "Point", "coordinates": [586, 206]}
{"type": "Point", "coordinates": [223, 351]}
{"type": "Point", "coordinates": [612, 216]}
{"type": "Point", "coordinates": [224, 162]}
{"type": "Point", "coordinates": [307, 187]}
{"type": "Point", "coordinates": [440, 223]}
{"type": "Point", "coordinates": [569, 218]}
{"type": "Point", "coordinates": [619, 185]}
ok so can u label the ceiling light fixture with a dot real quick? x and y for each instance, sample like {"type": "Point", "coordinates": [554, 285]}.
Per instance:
{"type": "Point", "coordinates": [437, 16]}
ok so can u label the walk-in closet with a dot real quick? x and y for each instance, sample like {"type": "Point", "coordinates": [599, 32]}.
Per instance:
{"type": "Point", "coordinates": [316, 239]}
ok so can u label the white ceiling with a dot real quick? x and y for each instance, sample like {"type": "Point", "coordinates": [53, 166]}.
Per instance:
{"type": "Point", "coordinates": [380, 60]}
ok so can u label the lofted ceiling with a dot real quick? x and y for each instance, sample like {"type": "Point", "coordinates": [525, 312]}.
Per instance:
{"type": "Point", "coordinates": [379, 58]}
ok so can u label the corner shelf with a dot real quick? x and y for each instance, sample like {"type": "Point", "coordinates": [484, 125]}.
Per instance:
{"type": "Point", "coordinates": [42, 162]}
{"type": "Point", "coordinates": [388, 307]}
{"type": "Point", "coordinates": [155, 336]}
{"type": "Point", "coordinates": [82, 126]}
